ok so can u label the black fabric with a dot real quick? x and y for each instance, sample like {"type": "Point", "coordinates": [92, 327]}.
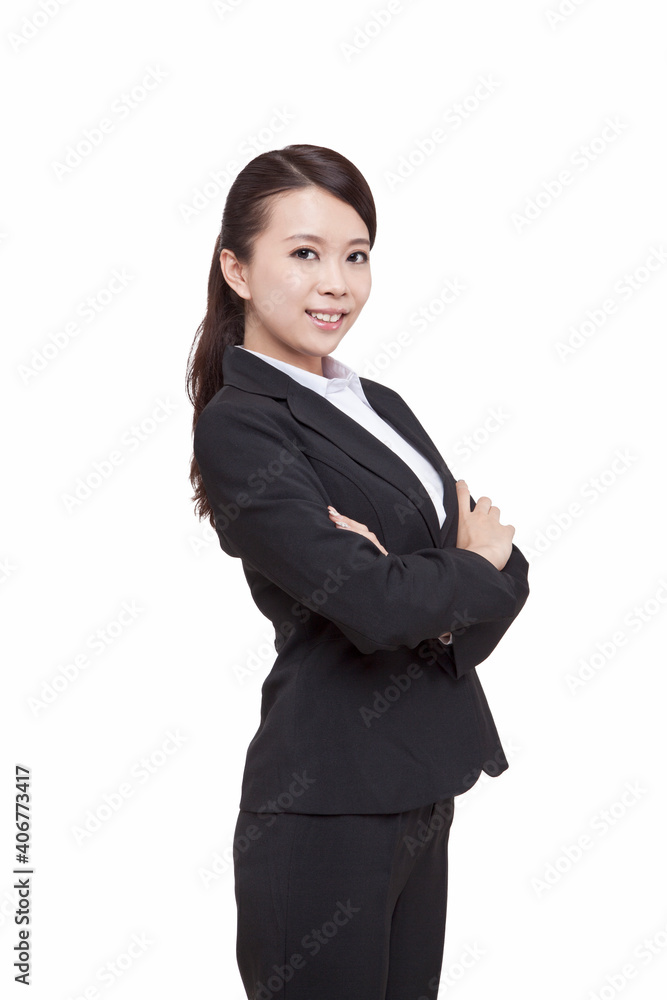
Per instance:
{"type": "Point", "coordinates": [364, 710]}
{"type": "Point", "coordinates": [341, 907]}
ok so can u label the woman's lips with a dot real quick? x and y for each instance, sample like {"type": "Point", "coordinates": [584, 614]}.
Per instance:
{"type": "Point", "coordinates": [323, 325]}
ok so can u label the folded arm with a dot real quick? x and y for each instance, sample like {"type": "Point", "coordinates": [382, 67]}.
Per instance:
{"type": "Point", "coordinates": [476, 640]}
{"type": "Point", "coordinates": [270, 509]}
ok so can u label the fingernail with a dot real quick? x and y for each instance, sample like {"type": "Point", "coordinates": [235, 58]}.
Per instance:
{"type": "Point", "coordinates": [333, 509]}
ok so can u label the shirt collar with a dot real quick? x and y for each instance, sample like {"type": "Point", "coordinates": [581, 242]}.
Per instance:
{"type": "Point", "coordinates": [337, 375]}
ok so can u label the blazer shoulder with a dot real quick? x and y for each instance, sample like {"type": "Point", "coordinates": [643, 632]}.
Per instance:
{"type": "Point", "coordinates": [234, 414]}
{"type": "Point", "coordinates": [230, 401]}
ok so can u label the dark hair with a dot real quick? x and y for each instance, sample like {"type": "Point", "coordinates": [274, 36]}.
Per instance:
{"type": "Point", "coordinates": [246, 214]}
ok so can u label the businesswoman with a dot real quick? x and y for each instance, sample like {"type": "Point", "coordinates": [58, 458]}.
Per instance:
{"type": "Point", "coordinates": [386, 585]}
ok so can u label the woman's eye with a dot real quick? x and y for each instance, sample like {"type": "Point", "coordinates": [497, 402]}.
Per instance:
{"type": "Point", "coordinates": [307, 250]}
{"type": "Point", "coordinates": [302, 250]}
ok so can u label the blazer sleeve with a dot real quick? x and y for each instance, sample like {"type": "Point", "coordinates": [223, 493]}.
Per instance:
{"type": "Point", "coordinates": [270, 509]}
{"type": "Point", "coordinates": [475, 640]}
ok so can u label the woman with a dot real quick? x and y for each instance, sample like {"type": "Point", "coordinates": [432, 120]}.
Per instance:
{"type": "Point", "coordinates": [386, 585]}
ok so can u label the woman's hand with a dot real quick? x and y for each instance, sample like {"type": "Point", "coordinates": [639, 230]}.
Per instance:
{"type": "Point", "coordinates": [480, 530]}
{"type": "Point", "coordinates": [347, 522]}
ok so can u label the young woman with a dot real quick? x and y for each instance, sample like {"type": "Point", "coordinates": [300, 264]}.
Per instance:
{"type": "Point", "coordinates": [386, 585]}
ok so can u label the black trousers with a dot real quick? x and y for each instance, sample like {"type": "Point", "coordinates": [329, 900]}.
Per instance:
{"type": "Point", "coordinates": [342, 907]}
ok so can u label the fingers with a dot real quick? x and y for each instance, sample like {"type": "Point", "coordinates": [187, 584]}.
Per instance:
{"type": "Point", "coordinates": [348, 523]}
{"type": "Point", "coordinates": [463, 494]}
{"type": "Point", "coordinates": [340, 521]}
{"type": "Point", "coordinates": [483, 505]}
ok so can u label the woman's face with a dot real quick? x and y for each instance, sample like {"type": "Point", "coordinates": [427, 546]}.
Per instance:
{"type": "Point", "coordinates": [312, 258]}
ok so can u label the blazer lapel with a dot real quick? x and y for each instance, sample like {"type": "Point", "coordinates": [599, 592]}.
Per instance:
{"type": "Point", "coordinates": [396, 412]}
{"type": "Point", "coordinates": [253, 374]}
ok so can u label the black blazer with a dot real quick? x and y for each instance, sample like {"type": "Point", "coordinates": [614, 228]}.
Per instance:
{"type": "Point", "coordinates": [364, 709]}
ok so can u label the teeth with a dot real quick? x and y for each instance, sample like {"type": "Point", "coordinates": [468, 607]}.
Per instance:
{"type": "Point", "coordinates": [326, 317]}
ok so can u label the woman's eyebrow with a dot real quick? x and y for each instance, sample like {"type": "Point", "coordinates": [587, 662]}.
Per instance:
{"type": "Point", "coordinates": [318, 239]}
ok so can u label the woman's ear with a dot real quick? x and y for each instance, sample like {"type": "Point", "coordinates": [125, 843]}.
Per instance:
{"type": "Point", "coordinates": [233, 273]}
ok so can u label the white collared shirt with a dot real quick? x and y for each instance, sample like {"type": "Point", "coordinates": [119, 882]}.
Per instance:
{"type": "Point", "coordinates": [341, 386]}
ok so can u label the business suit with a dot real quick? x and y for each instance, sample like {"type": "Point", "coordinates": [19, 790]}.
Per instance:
{"type": "Point", "coordinates": [272, 456]}
{"type": "Point", "coordinates": [369, 725]}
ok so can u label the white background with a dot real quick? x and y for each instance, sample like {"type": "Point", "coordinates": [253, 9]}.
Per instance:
{"type": "Point", "coordinates": [142, 202]}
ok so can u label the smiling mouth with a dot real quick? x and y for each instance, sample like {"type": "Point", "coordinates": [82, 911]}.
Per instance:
{"type": "Point", "coordinates": [323, 317]}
